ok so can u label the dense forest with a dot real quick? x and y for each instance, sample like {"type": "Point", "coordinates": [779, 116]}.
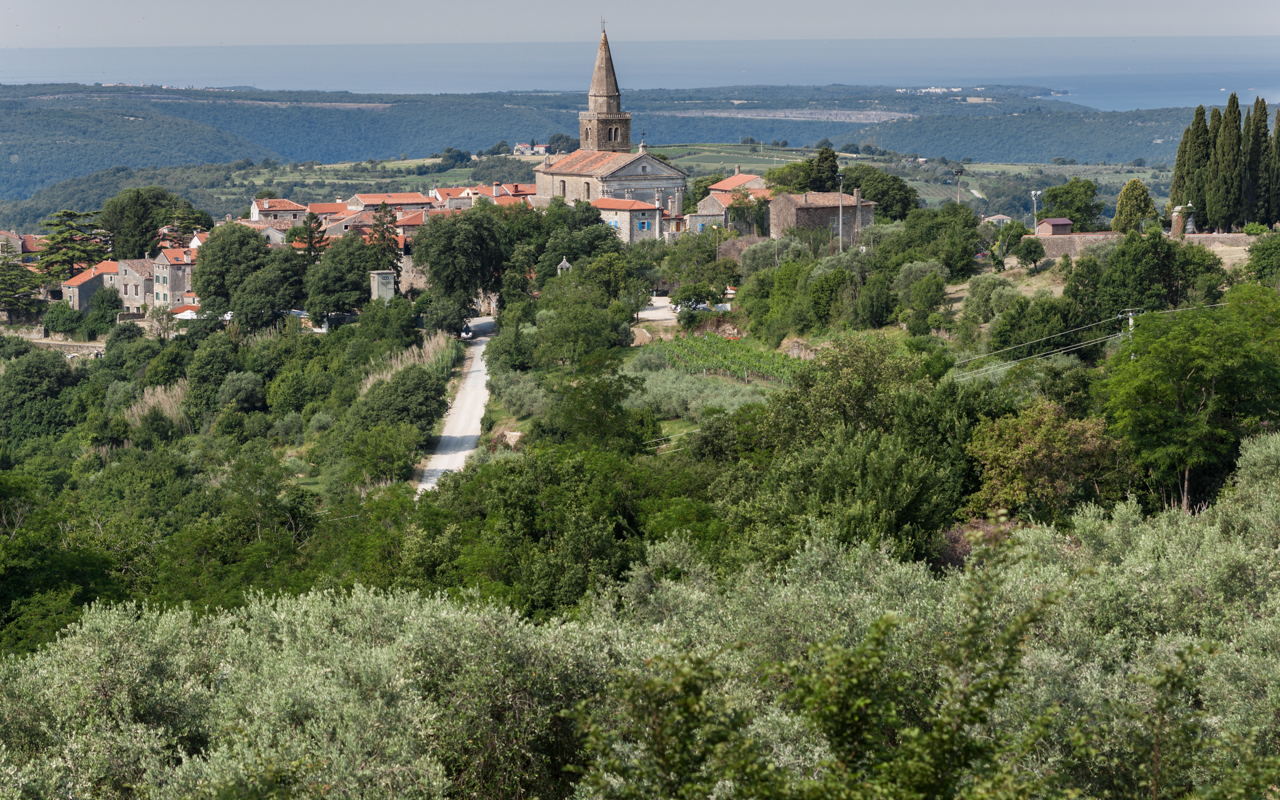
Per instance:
{"type": "Point", "coordinates": [57, 132]}
{"type": "Point", "coordinates": [898, 524]}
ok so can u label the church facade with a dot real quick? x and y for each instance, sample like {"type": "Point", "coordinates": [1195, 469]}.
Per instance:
{"type": "Point", "coordinates": [605, 167]}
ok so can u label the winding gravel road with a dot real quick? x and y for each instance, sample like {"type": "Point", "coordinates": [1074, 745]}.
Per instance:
{"type": "Point", "coordinates": [462, 422]}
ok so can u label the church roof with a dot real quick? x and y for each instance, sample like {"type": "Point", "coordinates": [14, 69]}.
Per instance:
{"type": "Point", "coordinates": [590, 163]}
{"type": "Point", "coordinates": [604, 82]}
{"type": "Point", "coordinates": [603, 163]}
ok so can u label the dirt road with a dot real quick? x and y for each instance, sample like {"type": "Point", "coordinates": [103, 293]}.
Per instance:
{"type": "Point", "coordinates": [462, 423]}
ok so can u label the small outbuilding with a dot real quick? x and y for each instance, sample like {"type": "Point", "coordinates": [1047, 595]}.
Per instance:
{"type": "Point", "coordinates": [1054, 226]}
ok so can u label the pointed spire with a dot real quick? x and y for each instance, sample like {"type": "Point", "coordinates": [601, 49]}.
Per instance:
{"type": "Point", "coordinates": [604, 96]}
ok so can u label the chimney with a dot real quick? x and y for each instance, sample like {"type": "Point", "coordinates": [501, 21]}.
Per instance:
{"type": "Point", "coordinates": [497, 189]}
{"type": "Point", "coordinates": [266, 204]}
{"type": "Point", "coordinates": [737, 169]}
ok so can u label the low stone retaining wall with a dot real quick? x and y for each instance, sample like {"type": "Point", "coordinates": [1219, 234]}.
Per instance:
{"type": "Point", "coordinates": [1073, 244]}
{"type": "Point", "coordinates": [82, 349]}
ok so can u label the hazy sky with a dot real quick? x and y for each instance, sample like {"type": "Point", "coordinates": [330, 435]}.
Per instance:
{"type": "Point", "coordinates": [136, 23]}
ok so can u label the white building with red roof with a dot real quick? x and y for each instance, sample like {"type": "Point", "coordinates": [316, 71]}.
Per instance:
{"type": "Point", "coordinates": [632, 220]}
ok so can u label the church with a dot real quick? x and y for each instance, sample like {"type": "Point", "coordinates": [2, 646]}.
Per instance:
{"type": "Point", "coordinates": [604, 167]}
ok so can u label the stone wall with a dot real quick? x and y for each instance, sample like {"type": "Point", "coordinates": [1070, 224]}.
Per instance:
{"type": "Point", "coordinates": [1073, 244]}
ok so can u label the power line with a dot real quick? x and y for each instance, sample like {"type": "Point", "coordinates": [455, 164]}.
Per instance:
{"type": "Point", "coordinates": [997, 367]}
{"type": "Point", "coordinates": [994, 368]}
{"type": "Point", "coordinates": [1035, 341]}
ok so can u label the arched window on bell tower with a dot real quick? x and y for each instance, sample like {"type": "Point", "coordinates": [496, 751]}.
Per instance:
{"type": "Point", "coordinates": [588, 136]}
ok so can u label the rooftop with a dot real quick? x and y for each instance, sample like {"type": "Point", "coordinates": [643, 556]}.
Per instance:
{"type": "Point", "coordinates": [733, 182]}
{"type": "Point", "coordinates": [269, 204]}
{"type": "Point", "coordinates": [614, 204]}
{"type": "Point", "coordinates": [101, 268]}
{"type": "Point", "coordinates": [593, 163]}
{"type": "Point", "coordinates": [824, 199]}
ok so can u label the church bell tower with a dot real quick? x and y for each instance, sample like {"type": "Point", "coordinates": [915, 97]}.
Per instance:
{"type": "Point", "coordinates": [604, 125]}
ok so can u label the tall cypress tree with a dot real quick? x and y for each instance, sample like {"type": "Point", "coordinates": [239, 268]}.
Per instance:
{"type": "Point", "coordinates": [1224, 199]}
{"type": "Point", "coordinates": [1253, 163]}
{"type": "Point", "coordinates": [1198, 151]}
{"type": "Point", "coordinates": [1247, 187]}
{"type": "Point", "coordinates": [1178, 187]}
{"type": "Point", "coordinates": [1271, 176]}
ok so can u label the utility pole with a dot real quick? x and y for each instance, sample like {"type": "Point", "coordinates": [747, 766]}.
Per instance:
{"type": "Point", "coordinates": [1129, 312]}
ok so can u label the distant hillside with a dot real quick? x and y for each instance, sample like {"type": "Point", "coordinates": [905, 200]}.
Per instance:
{"type": "Point", "coordinates": [39, 146]}
{"type": "Point", "coordinates": [52, 133]}
{"type": "Point", "coordinates": [1114, 136]}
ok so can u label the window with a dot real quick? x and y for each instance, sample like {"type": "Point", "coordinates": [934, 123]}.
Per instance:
{"type": "Point", "coordinates": [562, 194]}
{"type": "Point", "coordinates": [644, 169]}
{"type": "Point", "coordinates": [586, 189]}
{"type": "Point", "coordinates": [701, 225]}
{"type": "Point", "coordinates": [588, 136]}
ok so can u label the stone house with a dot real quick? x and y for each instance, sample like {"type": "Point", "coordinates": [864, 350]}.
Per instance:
{"type": "Point", "coordinates": [1054, 226]}
{"type": "Point", "coordinates": [274, 231]}
{"type": "Point", "coordinates": [714, 209]}
{"type": "Point", "coordinates": [820, 210]}
{"type": "Point", "coordinates": [276, 210]}
{"type": "Point", "coordinates": [79, 291]}
{"type": "Point", "coordinates": [136, 288]}
{"type": "Point", "coordinates": [738, 180]}
{"type": "Point", "coordinates": [171, 275]}
{"type": "Point", "coordinates": [401, 201]}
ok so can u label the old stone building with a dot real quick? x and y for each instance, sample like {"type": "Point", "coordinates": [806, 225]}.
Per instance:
{"type": "Point", "coordinates": [171, 275]}
{"type": "Point", "coordinates": [820, 210]}
{"type": "Point", "coordinates": [136, 287]}
{"type": "Point", "coordinates": [605, 167]}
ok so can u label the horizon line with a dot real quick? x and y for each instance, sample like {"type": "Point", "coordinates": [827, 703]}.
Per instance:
{"type": "Point", "coordinates": [1234, 37]}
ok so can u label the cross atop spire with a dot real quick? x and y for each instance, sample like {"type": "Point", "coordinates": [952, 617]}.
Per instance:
{"type": "Point", "coordinates": [602, 24]}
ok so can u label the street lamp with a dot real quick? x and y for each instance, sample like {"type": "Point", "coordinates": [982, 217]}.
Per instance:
{"type": "Point", "coordinates": [958, 171]}
{"type": "Point", "coordinates": [1034, 196]}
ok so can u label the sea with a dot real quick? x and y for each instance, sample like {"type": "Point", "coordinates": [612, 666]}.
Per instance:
{"type": "Point", "coordinates": [1106, 73]}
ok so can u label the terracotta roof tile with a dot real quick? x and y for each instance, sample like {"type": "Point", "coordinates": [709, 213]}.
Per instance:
{"type": "Point", "coordinates": [142, 266]}
{"type": "Point", "coordinates": [179, 255]}
{"type": "Point", "coordinates": [327, 208]}
{"type": "Point", "coordinates": [182, 309]}
{"type": "Point", "coordinates": [278, 205]}
{"type": "Point", "coordinates": [733, 182]}
{"type": "Point", "coordinates": [589, 163]}
{"type": "Point", "coordinates": [393, 198]}
{"type": "Point", "coordinates": [101, 268]}
{"type": "Point", "coordinates": [614, 204]}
